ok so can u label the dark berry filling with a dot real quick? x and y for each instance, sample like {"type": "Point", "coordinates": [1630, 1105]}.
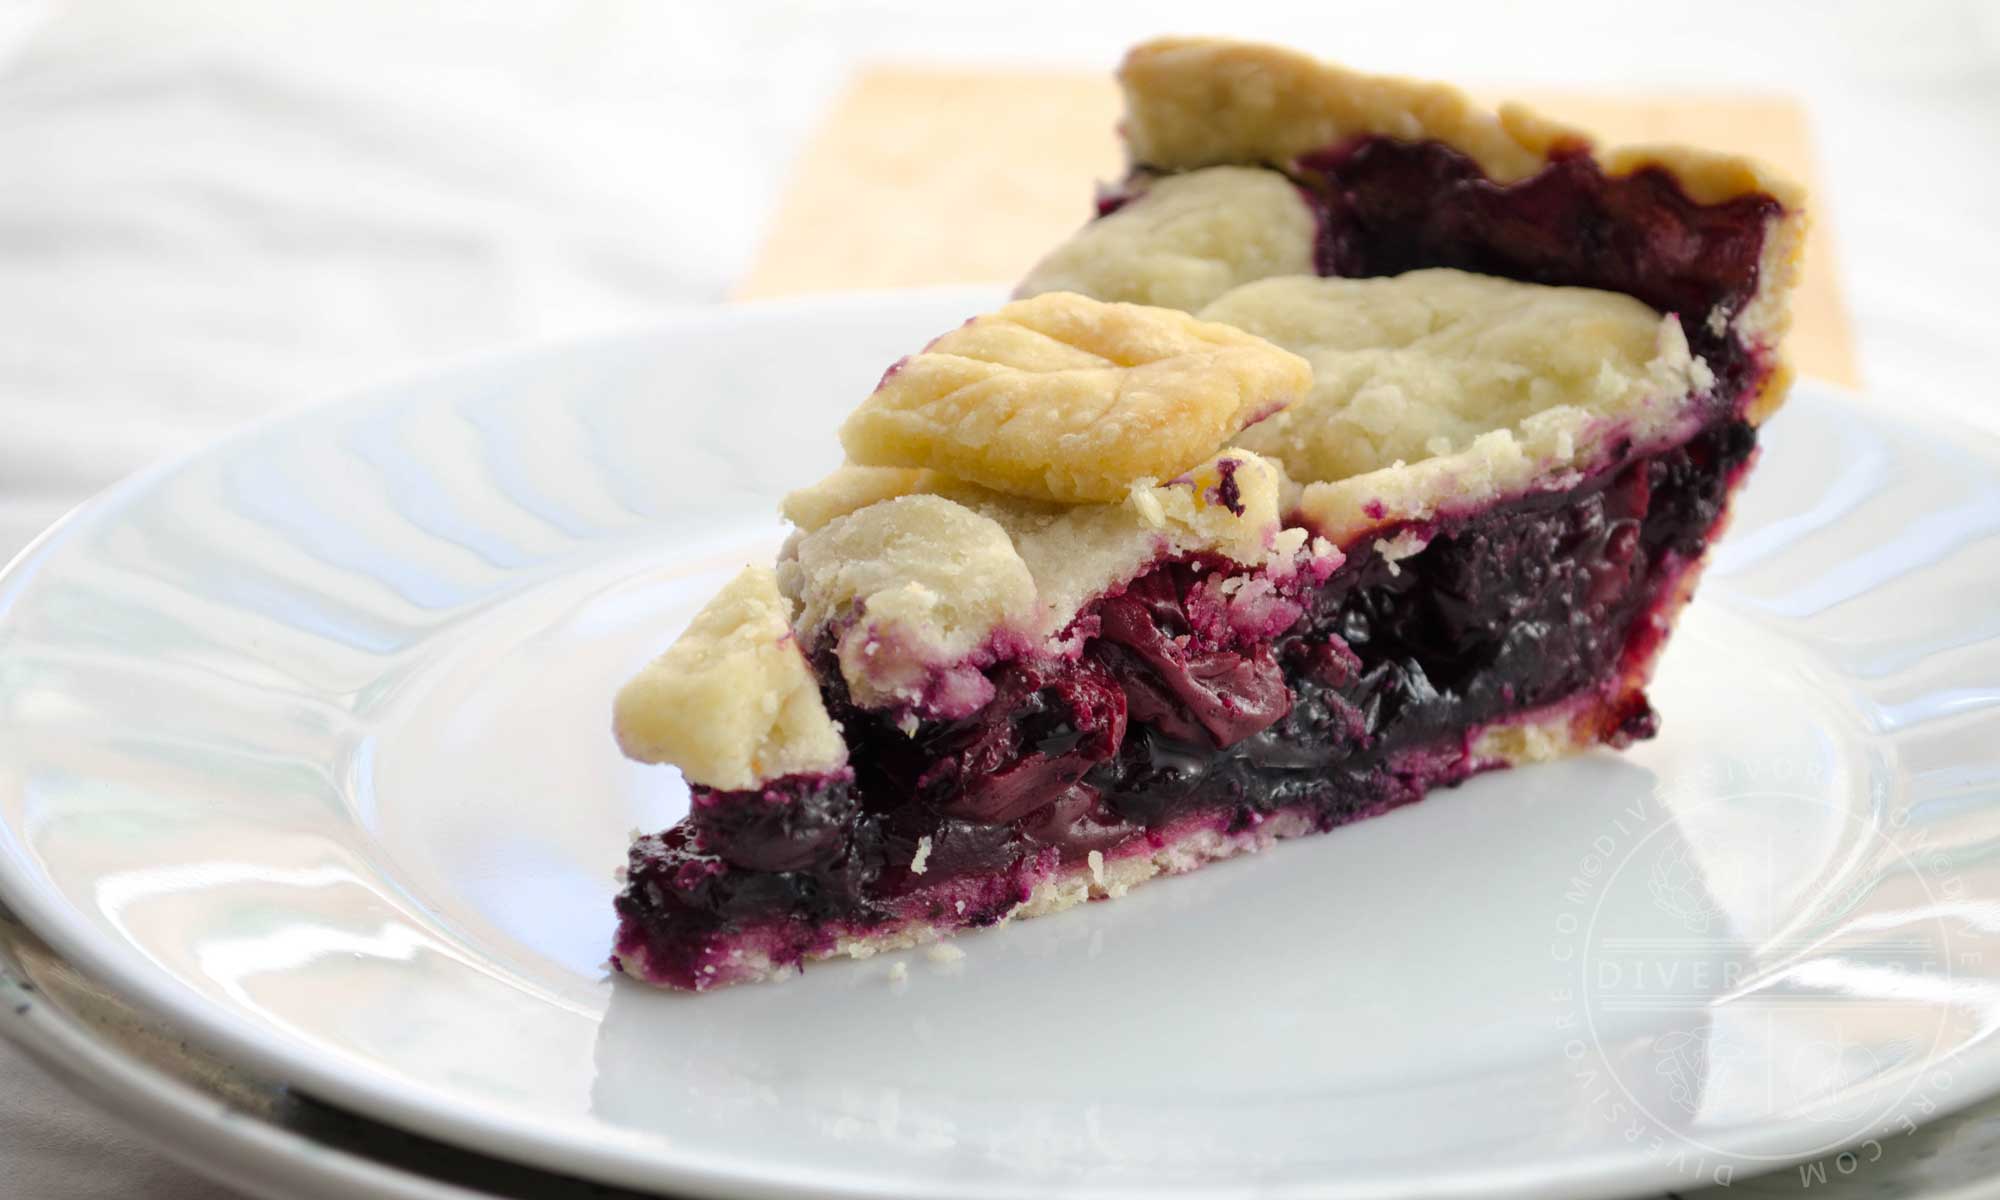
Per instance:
{"type": "Point", "coordinates": [1355, 695]}
{"type": "Point", "coordinates": [1387, 206]}
{"type": "Point", "coordinates": [1228, 493]}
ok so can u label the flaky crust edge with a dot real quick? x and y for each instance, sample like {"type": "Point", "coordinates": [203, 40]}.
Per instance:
{"type": "Point", "coordinates": [1201, 102]}
{"type": "Point", "coordinates": [1194, 102]}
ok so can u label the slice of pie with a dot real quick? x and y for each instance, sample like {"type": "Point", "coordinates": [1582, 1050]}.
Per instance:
{"type": "Point", "coordinates": [1365, 441]}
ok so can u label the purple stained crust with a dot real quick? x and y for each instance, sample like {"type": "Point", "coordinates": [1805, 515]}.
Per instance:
{"type": "Point", "coordinates": [1331, 700]}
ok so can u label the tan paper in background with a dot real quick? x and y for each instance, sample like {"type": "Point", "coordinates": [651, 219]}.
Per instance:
{"type": "Point", "coordinates": [926, 176]}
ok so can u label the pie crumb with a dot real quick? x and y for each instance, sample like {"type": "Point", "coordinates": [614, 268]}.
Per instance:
{"type": "Point", "coordinates": [922, 856]}
{"type": "Point", "coordinates": [943, 952]}
{"type": "Point", "coordinates": [1403, 545]}
{"type": "Point", "coordinates": [899, 972]}
{"type": "Point", "coordinates": [1097, 867]}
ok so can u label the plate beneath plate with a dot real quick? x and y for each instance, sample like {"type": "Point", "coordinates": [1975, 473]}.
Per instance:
{"type": "Point", "coordinates": [303, 745]}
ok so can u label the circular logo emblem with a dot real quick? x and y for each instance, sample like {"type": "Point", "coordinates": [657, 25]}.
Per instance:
{"type": "Point", "coordinates": [1757, 953]}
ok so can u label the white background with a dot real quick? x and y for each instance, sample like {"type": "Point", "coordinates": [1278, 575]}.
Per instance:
{"type": "Point", "coordinates": [213, 211]}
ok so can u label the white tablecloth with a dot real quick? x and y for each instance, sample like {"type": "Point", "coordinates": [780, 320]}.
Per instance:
{"type": "Point", "coordinates": [215, 211]}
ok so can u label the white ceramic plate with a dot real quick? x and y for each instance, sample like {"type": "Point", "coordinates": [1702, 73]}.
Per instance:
{"type": "Point", "coordinates": [303, 745]}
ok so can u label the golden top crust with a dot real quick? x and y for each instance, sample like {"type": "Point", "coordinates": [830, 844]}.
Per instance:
{"type": "Point", "coordinates": [1077, 553]}
{"type": "Point", "coordinates": [907, 587]}
{"type": "Point", "coordinates": [1415, 366]}
{"type": "Point", "coordinates": [1438, 388]}
{"type": "Point", "coordinates": [1199, 102]}
{"type": "Point", "coordinates": [910, 586]}
{"type": "Point", "coordinates": [851, 488]}
{"type": "Point", "coordinates": [1185, 240]}
{"type": "Point", "coordinates": [1070, 551]}
{"type": "Point", "coordinates": [732, 702]}
{"type": "Point", "coordinates": [1194, 103]}
{"type": "Point", "coordinates": [1062, 397]}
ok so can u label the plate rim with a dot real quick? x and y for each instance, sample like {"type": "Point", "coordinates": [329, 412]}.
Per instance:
{"type": "Point", "coordinates": [201, 1132]}
{"type": "Point", "coordinates": [634, 1159]}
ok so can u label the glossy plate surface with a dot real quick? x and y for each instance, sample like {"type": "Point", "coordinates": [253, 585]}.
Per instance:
{"type": "Point", "coordinates": [303, 745]}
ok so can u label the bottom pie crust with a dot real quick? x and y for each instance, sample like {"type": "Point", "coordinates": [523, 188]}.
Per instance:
{"type": "Point", "coordinates": [1562, 729]}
